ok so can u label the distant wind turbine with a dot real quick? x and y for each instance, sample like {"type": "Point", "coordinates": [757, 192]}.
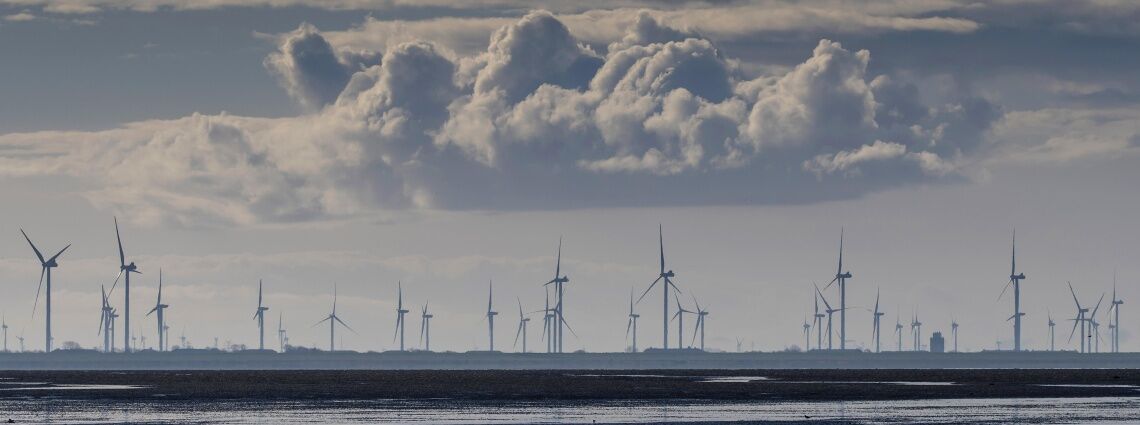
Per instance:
{"type": "Point", "coordinates": [333, 319]}
{"type": "Point", "coordinates": [4, 326]}
{"type": "Point", "coordinates": [400, 312]}
{"type": "Point", "coordinates": [491, 315]}
{"type": "Point", "coordinates": [954, 332]}
{"type": "Point", "coordinates": [548, 319]}
{"type": "Point", "coordinates": [916, 327]}
{"type": "Point", "coordinates": [1052, 324]}
{"type": "Point", "coordinates": [1015, 279]}
{"type": "Point", "coordinates": [259, 314]}
{"type": "Point", "coordinates": [522, 327]}
{"type": "Point", "coordinates": [124, 269]}
{"type": "Point", "coordinates": [667, 277]}
{"type": "Point", "coordinates": [632, 323]}
{"type": "Point", "coordinates": [1080, 320]}
{"type": "Point", "coordinates": [807, 335]}
{"type": "Point", "coordinates": [105, 323]}
{"type": "Point", "coordinates": [425, 327]}
{"type": "Point", "coordinates": [281, 336]}
{"type": "Point", "coordinates": [45, 270]}
{"type": "Point", "coordinates": [1114, 320]}
{"type": "Point", "coordinates": [817, 322]}
{"type": "Point", "coordinates": [830, 311]}
{"type": "Point", "coordinates": [898, 331]}
{"type": "Point", "coordinates": [559, 290]}
{"type": "Point", "coordinates": [877, 315]}
{"type": "Point", "coordinates": [701, 314]}
{"type": "Point", "coordinates": [680, 316]}
{"type": "Point", "coordinates": [841, 278]}
{"type": "Point", "coordinates": [160, 308]}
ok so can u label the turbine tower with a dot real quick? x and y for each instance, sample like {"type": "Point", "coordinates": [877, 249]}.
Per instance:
{"type": "Point", "coordinates": [1114, 320]}
{"type": "Point", "coordinates": [45, 270]}
{"type": "Point", "coordinates": [425, 327]}
{"type": "Point", "coordinates": [126, 269]}
{"type": "Point", "coordinates": [667, 277]}
{"type": "Point", "coordinates": [4, 326]}
{"type": "Point", "coordinates": [558, 281]}
{"type": "Point", "coordinates": [333, 319]}
{"type": "Point", "coordinates": [877, 315]}
{"type": "Point", "coordinates": [1015, 279]}
{"type": "Point", "coordinates": [548, 324]}
{"type": "Point", "coordinates": [701, 314]}
{"type": "Point", "coordinates": [522, 327]}
{"type": "Point", "coordinates": [259, 314]}
{"type": "Point", "coordinates": [632, 323]}
{"type": "Point", "coordinates": [491, 315]}
{"type": "Point", "coordinates": [841, 279]}
{"type": "Point", "coordinates": [400, 312]}
{"type": "Point", "coordinates": [160, 308]}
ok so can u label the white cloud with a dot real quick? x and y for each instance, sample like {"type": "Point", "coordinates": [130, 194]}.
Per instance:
{"type": "Point", "coordinates": [24, 16]}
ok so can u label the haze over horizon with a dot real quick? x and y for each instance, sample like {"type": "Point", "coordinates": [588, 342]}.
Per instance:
{"type": "Point", "coordinates": [445, 145]}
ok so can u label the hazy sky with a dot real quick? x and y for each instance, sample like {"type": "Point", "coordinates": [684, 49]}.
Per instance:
{"type": "Point", "coordinates": [447, 144]}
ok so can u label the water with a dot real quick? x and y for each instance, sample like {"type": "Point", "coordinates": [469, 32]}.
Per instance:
{"type": "Point", "coordinates": [976, 411]}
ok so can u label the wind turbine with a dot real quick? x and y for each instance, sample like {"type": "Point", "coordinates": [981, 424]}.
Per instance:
{"type": "Point", "coordinates": [491, 315]}
{"type": "Point", "coordinates": [916, 326]}
{"type": "Point", "coordinates": [829, 312]}
{"type": "Point", "coordinates": [1015, 279]}
{"type": "Point", "coordinates": [21, 338]}
{"type": "Point", "coordinates": [841, 278]}
{"type": "Point", "coordinates": [281, 336]}
{"type": "Point", "coordinates": [333, 319]}
{"type": "Point", "coordinates": [45, 270]}
{"type": "Point", "coordinates": [666, 276]}
{"type": "Point", "coordinates": [400, 312]}
{"type": "Point", "coordinates": [105, 323]}
{"type": "Point", "coordinates": [898, 331]}
{"type": "Point", "coordinates": [1051, 331]}
{"type": "Point", "coordinates": [1094, 326]}
{"type": "Point", "coordinates": [818, 322]}
{"type": "Point", "coordinates": [126, 269]}
{"type": "Point", "coordinates": [259, 314]}
{"type": "Point", "coordinates": [954, 331]}
{"type": "Point", "coordinates": [1079, 320]}
{"type": "Point", "coordinates": [807, 335]}
{"type": "Point", "coordinates": [425, 327]}
{"type": "Point", "coordinates": [558, 281]}
{"type": "Point", "coordinates": [632, 323]}
{"type": "Point", "coordinates": [4, 326]}
{"type": "Point", "coordinates": [1115, 319]}
{"type": "Point", "coordinates": [701, 313]}
{"type": "Point", "coordinates": [877, 315]}
{"type": "Point", "coordinates": [159, 308]}
{"type": "Point", "coordinates": [680, 316]}
{"type": "Point", "coordinates": [112, 318]}
{"type": "Point", "coordinates": [522, 327]}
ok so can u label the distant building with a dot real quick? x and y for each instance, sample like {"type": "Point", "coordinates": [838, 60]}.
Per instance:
{"type": "Point", "coordinates": [937, 343]}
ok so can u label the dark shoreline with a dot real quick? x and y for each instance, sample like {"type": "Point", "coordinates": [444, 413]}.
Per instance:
{"type": "Point", "coordinates": [566, 385]}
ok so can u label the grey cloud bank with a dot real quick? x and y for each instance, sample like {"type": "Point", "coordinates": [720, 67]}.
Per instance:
{"type": "Point", "coordinates": [538, 120]}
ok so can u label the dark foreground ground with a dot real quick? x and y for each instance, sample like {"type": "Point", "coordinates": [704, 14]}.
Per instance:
{"type": "Point", "coordinates": [775, 385]}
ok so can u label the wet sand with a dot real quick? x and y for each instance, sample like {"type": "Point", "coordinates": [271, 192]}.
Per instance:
{"type": "Point", "coordinates": [570, 385]}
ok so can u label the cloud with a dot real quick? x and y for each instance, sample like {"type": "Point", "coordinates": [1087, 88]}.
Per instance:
{"type": "Point", "coordinates": [536, 120]}
{"type": "Point", "coordinates": [24, 16]}
{"type": "Point", "coordinates": [310, 70]}
{"type": "Point", "coordinates": [1057, 135]}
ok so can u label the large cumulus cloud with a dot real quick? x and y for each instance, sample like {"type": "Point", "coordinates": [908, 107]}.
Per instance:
{"type": "Point", "coordinates": [536, 121]}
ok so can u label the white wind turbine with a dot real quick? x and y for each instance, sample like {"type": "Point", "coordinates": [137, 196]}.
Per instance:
{"type": "Point", "coordinates": [680, 316]}
{"type": "Point", "coordinates": [841, 279]}
{"type": "Point", "coordinates": [632, 323]}
{"type": "Point", "coordinates": [491, 315]}
{"type": "Point", "coordinates": [701, 313]}
{"type": "Point", "coordinates": [667, 277]}
{"type": "Point", "coordinates": [333, 319]}
{"type": "Point", "coordinates": [522, 327]}
{"type": "Point", "coordinates": [160, 309]}
{"type": "Point", "coordinates": [259, 314]}
{"type": "Point", "coordinates": [400, 312]}
{"type": "Point", "coordinates": [45, 270]}
{"type": "Point", "coordinates": [425, 327]}
{"type": "Point", "coordinates": [877, 315]}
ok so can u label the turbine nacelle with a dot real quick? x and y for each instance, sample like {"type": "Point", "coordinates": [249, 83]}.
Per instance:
{"type": "Point", "coordinates": [667, 274]}
{"type": "Point", "coordinates": [1019, 276]}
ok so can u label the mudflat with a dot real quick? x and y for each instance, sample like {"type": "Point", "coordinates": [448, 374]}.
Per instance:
{"type": "Point", "coordinates": [570, 385]}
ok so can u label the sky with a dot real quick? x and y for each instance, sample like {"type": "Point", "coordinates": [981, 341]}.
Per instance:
{"type": "Point", "coordinates": [445, 145]}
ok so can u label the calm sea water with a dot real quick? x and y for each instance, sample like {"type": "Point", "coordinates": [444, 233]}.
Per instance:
{"type": "Point", "coordinates": [1068, 410]}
